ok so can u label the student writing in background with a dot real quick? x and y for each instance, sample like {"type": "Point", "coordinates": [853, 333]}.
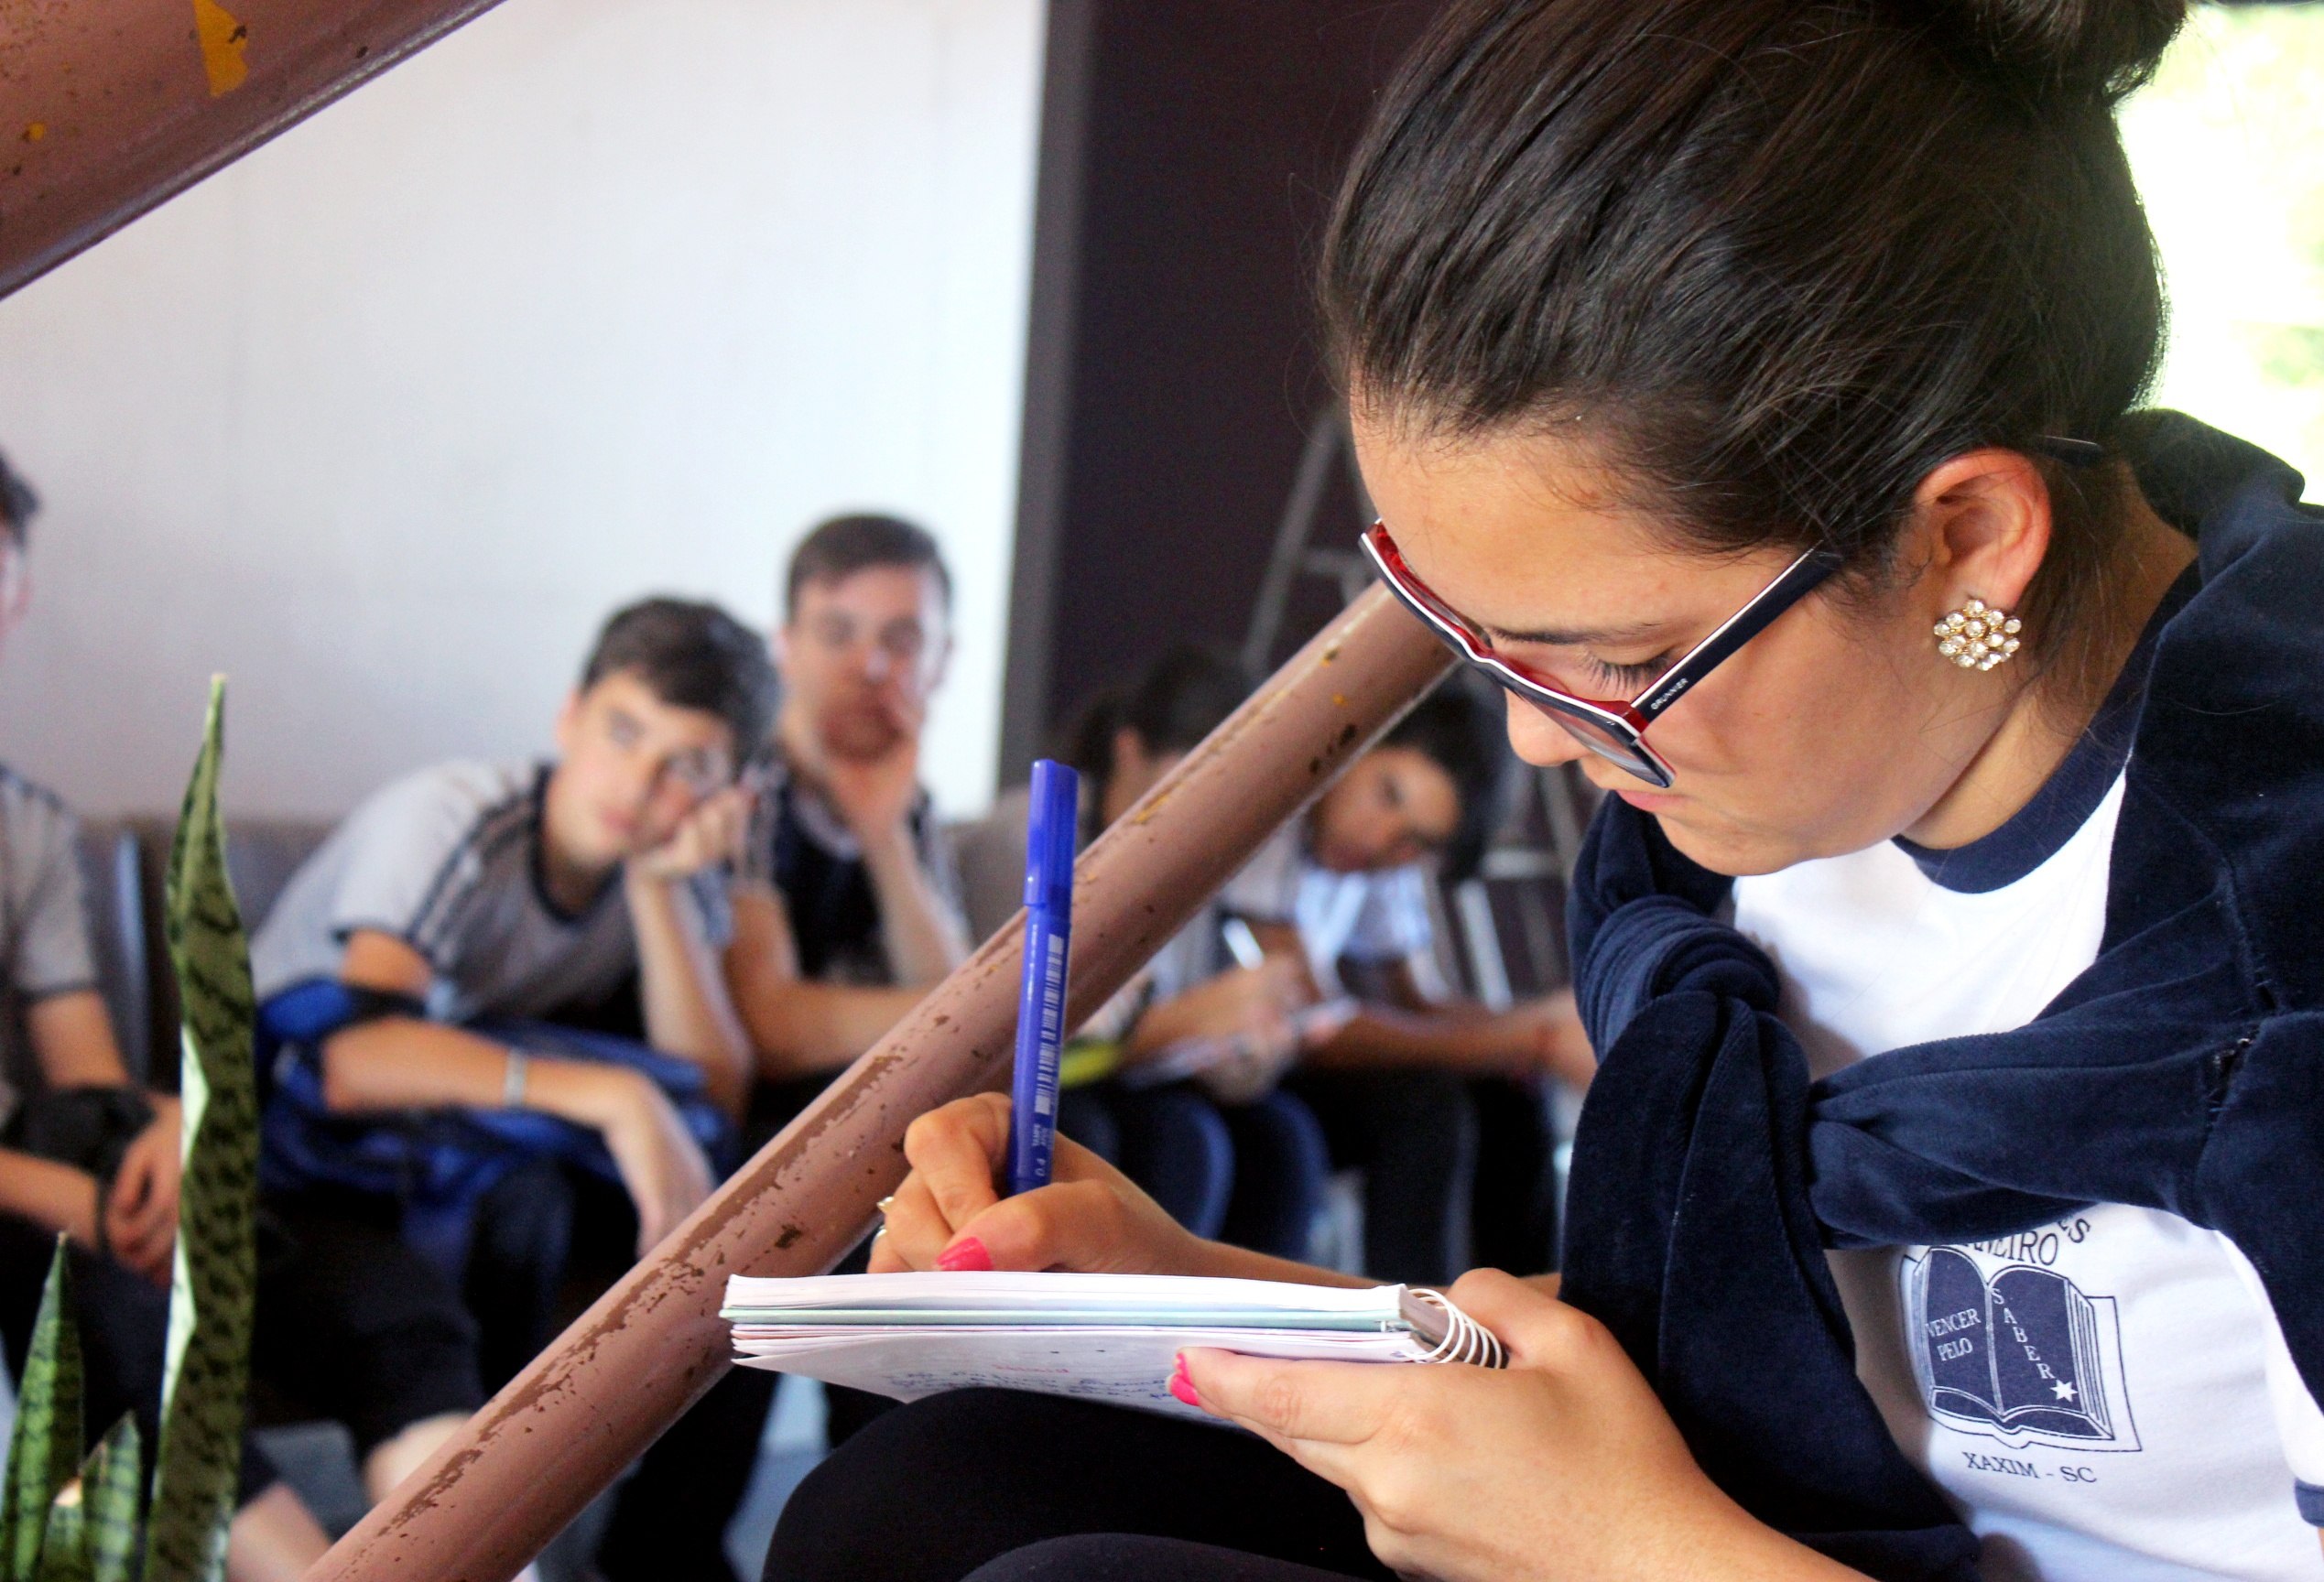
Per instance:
{"type": "Point", "coordinates": [1342, 890]}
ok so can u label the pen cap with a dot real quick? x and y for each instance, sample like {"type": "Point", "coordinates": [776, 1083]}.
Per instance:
{"type": "Point", "coordinates": [1050, 835]}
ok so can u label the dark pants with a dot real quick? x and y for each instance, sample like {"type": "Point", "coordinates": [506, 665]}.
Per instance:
{"type": "Point", "coordinates": [1250, 1173]}
{"type": "Point", "coordinates": [1414, 1135]}
{"type": "Point", "coordinates": [354, 1327]}
{"type": "Point", "coordinates": [1282, 1165]}
{"type": "Point", "coordinates": [351, 1326]}
{"type": "Point", "coordinates": [1169, 1140]}
{"type": "Point", "coordinates": [932, 1492]}
{"type": "Point", "coordinates": [520, 1257]}
{"type": "Point", "coordinates": [1120, 1557]}
{"type": "Point", "coordinates": [670, 1518]}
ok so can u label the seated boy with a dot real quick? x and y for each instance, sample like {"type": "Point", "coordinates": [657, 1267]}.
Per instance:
{"type": "Point", "coordinates": [466, 896]}
{"type": "Point", "coordinates": [850, 908]}
{"type": "Point", "coordinates": [86, 1154]}
{"type": "Point", "coordinates": [1342, 889]}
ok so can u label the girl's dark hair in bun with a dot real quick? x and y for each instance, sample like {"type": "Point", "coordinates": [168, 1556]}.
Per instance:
{"type": "Point", "coordinates": [1771, 260]}
{"type": "Point", "coordinates": [2097, 49]}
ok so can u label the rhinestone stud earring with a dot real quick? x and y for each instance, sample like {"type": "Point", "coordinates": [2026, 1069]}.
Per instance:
{"type": "Point", "coordinates": [1977, 638]}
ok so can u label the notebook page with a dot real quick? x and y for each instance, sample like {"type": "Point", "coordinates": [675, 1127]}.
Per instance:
{"type": "Point", "coordinates": [1007, 1291]}
{"type": "Point", "coordinates": [1127, 1366]}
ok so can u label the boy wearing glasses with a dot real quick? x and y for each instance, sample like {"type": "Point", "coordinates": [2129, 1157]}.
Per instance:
{"type": "Point", "coordinates": [851, 906]}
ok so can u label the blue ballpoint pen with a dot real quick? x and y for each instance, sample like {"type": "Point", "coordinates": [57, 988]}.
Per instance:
{"type": "Point", "coordinates": [1050, 841]}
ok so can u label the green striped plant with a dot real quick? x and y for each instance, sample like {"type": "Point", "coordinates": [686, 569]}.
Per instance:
{"type": "Point", "coordinates": [210, 1290]}
{"type": "Point", "coordinates": [45, 1453]}
{"type": "Point", "coordinates": [66, 1520]}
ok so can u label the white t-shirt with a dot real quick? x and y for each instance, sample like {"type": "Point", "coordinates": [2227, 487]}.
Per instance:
{"type": "Point", "coordinates": [1374, 916]}
{"type": "Point", "coordinates": [2106, 1397]}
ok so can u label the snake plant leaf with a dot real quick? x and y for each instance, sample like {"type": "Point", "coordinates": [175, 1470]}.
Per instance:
{"type": "Point", "coordinates": [64, 1554]}
{"type": "Point", "coordinates": [46, 1448]}
{"type": "Point", "coordinates": [109, 1495]}
{"type": "Point", "coordinates": [208, 1363]}
{"type": "Point", "coordinates": [92, 1524]}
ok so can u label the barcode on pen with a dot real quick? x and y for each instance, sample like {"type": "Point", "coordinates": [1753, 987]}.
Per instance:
{"type": "Point", "coordinates": [1053, 988]}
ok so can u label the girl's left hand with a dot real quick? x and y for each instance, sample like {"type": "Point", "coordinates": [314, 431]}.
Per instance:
{"type": "Point", "coordinates": [1565, 1465]}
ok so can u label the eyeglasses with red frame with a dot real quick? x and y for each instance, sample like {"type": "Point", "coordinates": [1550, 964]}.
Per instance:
{"type": "Point", "coordinates": [1611, 727]}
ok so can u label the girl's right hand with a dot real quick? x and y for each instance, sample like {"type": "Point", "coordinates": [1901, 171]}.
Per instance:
{"type": "Point", "coordinates": [949, 1215]}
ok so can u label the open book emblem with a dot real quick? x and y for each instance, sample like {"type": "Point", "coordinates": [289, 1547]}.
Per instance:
{"type": "Point", "coordinates": [2022, 1357]}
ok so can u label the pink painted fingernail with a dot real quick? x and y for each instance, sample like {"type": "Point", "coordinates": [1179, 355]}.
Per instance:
{"type": "Point", "coordinates": [965, 1256]}
{"type": "Point", "coordinates": [1181, 1385]}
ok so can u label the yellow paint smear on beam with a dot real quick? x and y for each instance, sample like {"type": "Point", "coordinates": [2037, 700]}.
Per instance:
{"type": "Point", "coordinates": [222, 38]}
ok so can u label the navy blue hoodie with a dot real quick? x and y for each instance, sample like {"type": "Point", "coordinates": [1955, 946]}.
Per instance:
{"type": "Point", "coordinates": [2182, 1070]}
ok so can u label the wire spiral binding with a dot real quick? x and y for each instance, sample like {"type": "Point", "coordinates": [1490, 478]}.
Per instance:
{"type": "Point", "coordinates": [1465, 1339]}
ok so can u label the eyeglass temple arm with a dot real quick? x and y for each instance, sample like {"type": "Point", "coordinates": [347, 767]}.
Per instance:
{"type": "Point", "coordinates": [1740, 628]}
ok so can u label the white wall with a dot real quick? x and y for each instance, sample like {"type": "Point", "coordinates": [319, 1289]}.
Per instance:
{"type": "Point", "coordinates": [594, 298]}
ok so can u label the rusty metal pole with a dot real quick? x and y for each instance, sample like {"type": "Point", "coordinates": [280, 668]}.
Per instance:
{"type": "Point", "coordinates": [565, 1427]}
{"type": "Point", "coordinates": [107, 107]}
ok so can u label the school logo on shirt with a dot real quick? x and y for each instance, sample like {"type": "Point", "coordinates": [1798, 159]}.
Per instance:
{"type": "Point", "coordinates": [2021, 1355]}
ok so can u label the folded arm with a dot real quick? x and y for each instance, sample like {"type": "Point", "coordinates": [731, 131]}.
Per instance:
{"type": "Point", "coordinates": [682, 984]}
{"type": "Point", "coordinates": [924, 940]}
{"type": "Point", "coordinates": [797, 1026]}
{"type": "Point", "coordinates": [72, 1038]}
{"type": "Point", "coordinates": [407, 1063]}
{"type": "Point", "coordinates": [1405, 1026]}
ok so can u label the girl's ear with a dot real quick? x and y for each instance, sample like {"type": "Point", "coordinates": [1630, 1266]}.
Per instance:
{"type": "Point", "coordinates": [1983, 523]}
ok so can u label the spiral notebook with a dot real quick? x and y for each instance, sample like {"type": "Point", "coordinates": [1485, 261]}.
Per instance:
{"type": "Point", "coordinates": [1090, 1336]}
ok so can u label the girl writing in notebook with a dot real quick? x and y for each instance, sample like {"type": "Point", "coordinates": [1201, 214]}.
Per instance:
{"type": "Point", "coordinates": [1747, 386]}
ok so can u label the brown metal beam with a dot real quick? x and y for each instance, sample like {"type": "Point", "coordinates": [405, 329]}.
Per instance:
{"type": "Point", "coordinates": [564, 1429]}
{"type": "Point", "coordinates": [107, 107]}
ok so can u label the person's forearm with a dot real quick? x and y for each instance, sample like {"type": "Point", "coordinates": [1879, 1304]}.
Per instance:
{"type": "Point", "coordinates": [1164, 1023]}
{"type": "Point", "coordinates": [56, 1197]}
{"type": "Point", "coordinates": [683, 990]}
{"type": "Point", "coordinates": [403, 1063]}
{"type": "Point", "coordinates": [1378, 1036]}
{"type": "Point", "coordinates": [798, 1027]}
{"type": "Point", "coordinates": [924, 940]}
{"type": "Point", "coordinates": [71, 1036]}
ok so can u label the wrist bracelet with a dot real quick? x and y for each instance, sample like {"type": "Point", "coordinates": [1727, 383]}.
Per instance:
{"type": "Point", "coordinates": [512, 1083]}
